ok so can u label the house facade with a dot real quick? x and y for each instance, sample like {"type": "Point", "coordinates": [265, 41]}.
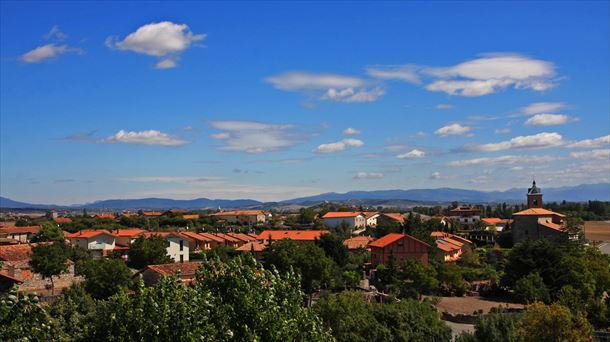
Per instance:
{"type": "Point", "coordinates": [398, 247]}
{"type": "Point", "coordinates": [465, 215]}
{"type": "Point", "coordinates": [97, 242]}
{"type": "Point", "coordinates": [178, 248]}
{"type": "Point", "coordinates": [353, 219]}
{"type": "Point", "coordinates": [242, 216]}
{"type": "Point", "coordinates": [20, 234]}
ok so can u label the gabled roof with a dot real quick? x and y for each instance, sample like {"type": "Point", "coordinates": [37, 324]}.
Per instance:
{"type": "Point", "coordinates": [297, 235]}
{"type": "Point", "coordinates": [11, 278]}
{"type": "Point", "coordinates": [242, 237]}
{"type": "Point", "coordinates": [537, 212]}
{"type": "Point", "coordinates": [185, 268]}
{"type": "Point", "coordinates": [227, 237]}
{"type": "Point", "coordinates": [62, 220]}
{"type": "Point", "coordinates": [190, 216]}
{"type": "Point", "coordinates": [87, 233]}
{"type": "Point", "coordinates": [341, 214]}
{"type": "Point", "coordinates": [212, 237]}
{"type": "Point", "coordinates": [254, 246]}
{"type": "Point", "coordinates": [369, 214]}
{"type": "Point", "coordinates": [549, 224]}
{"type": "Point", "coordinates": [398, 217]}
{"type": "Point", "coordinates": [20, 230]}
{"type": "Point", "coordinates": [148, 234]}
{"type": "Point", "coordinates": [177, 211]}
{"type": "Point", "coordinates": [130, 232]}
{"type": "Point", "coordinates": [391, 238]}
{"type": "Point", "coordinates": [239, 213]}
{"type": "Point", "coordinates": [21, 252]}
{"type": "Point", "coordinates": [357, 242]}
{"type": "Point", "coordinates": [492, 220]}
{"type": "Point", "coordinates": [129, 214]}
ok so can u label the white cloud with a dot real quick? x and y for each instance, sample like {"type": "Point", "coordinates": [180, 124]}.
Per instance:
{"type": "Point", "coordinates": [517, 168]}
{"type": "Point", "coordinates": [547, 120]}
{"type": "Point", "coordinates": [482, 179]}
{"type": "Point", "coordinates": [150, 137]}
{"type": "Point", "coordinates": [338, 146]}
{"type": "Point", "coordinates": [47, 51]}
{"type": "Point", "coordinates": [369, 175]}
{"type": "Point", "coordinates": [160, 40]}
{"type": "Point", "coordinates": [413, 154]}
{"type": "Point", "coordinates": [349, 95]}
{"type": "Point", "coordinates": [597, 142]}
{"type": "Point", "coordinates": [502, 130]}
{"type": "Point", "coordinates": [407, 73]}
{"type": "Point", "coordinates": [171, 179]}
{"type": "Point", "coordinates": [351, 131]}
{"type": "Point", "coordinates": [333, 87]}
{"type": "Point", "coordinates": [542, 107]}
{"type": "Point", "coordinates": [502, 160]}
{"type": "Point", "coordinates": [55, 33]}
{"type": "Point", "coordinates": [255, 137]}
{"type": "Point", "coordinates": [593, 154]}
{"type": "Point", "coordinates": [443, 106]}
{"type": "Point", "coordinates": [435, 175]}
{"type": "Point", "coordinates": [492, 73]}
{"type": "Point", "coordinates": [453, 129]}
{"type": "Point", "coordinates": [540, 140]}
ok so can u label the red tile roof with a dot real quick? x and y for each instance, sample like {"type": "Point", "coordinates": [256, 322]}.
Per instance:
{"type": "Point", "coordinates": [358, 242]}
{"type": "Point", "coordinates": [190, 216]}
{"type": "Point", "coordinates": [398, 217]}
{"type": "Point", "coordinates": [212, 237]}
{"type": "Point", "coordinates": [185, 268]}
{"type": "Point", "coordinates": [242, 237]}
{"type": "Point", "coordinates": [297, 235]}
{"type": "Point", "coordinates": [391, 238]}
{"type": "Point", "coordinates": [11, 278]}
{"type": "Point", "coordinates": [252, 246]}
{"type": "Point", "coordinates": [227, 237]}
{"type": "Point", "coordinates": [456, 238]}
{"type": "Point", "coordinates": [177, 211]}
{"type": "Point", "coordinates": [129, 214]}
{"type": "Point", "coordinates": [20, 230]}
{"type": "Point", "coordinates": [239, 213]}
{"type": "Point", "coordinates": [62, 220]}
{"type": "Point", "coordinates": [368, 214]}
{"type": "Point", "coordinates": [87, 233]}
{"type": "Point", "coordinates": [104, 216]}
{"type": "Point", "coordinates": [152, 213]}
{"type": "Point", "coordinates": [130, 232]}
{"type": "Point", "coordinates": [446, 246]}
{"type": "Point", "coordinates": [340, 214]}
{"type": "Point", "coordinates": [148, 234]}
{"type": "Point", "coordinates": [21, 252]}
{"type": "Point", "coordinates": [548, 223]}
{"type": "Point", "coordinates": [492, 220]}
{"type": "Point", "coordinates": [537, 212]}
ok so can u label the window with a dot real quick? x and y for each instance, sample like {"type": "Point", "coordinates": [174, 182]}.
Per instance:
{"type": "Point", "coordinates": [181, 247]}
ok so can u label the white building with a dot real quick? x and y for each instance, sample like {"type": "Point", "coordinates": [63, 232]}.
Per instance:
{"type": "Point", "coordinates": [353, 219]}
{"type": "Point", "coordinates": [97, 242]}
{"type": "Point", "coordinates": [242, 216]}
{"type": "Point", "coordinates": [178, 248]}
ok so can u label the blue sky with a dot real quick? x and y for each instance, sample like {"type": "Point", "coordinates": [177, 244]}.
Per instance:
{"type": "Point", "coordinates": [273, 101]}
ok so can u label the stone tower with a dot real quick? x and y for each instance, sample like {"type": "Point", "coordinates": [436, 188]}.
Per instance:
{"type": "Point", "coordinates": [534, 197]}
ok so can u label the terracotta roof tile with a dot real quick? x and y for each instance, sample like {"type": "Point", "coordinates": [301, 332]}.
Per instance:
{"type": "Point", "coordinates": [537, 212]}
{"type": "Point", "coordinates": [87, 233]}
{"type": "Point", "coordinates": [357, 242]}
{"type": "Point", "coordinates": [185, 268]}
{"type": "Point", "coordinates": [252, 246]}
{"type": "Point", "coordinates": [21, 252]}
{"type": "Point", "coordinates": [340, 214]}
{"type": "Point", "coordinates": [20, 230]}
{"type": "Point", "coordinates": [398, 217]}
{"type": "Point", "coordinates": [239, 213]}
{"type": "Point", "coordinates": [130, 232]}
{"type": "Point", "coordinates": [152, 213]}
{"type": "Point", "coordinates": [297, 235]}
{"type": "Point", "coordinates": [391, 238]}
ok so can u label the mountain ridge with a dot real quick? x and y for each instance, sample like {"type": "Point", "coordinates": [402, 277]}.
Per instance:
{"type": "Point", "coordinates": [578, 193]}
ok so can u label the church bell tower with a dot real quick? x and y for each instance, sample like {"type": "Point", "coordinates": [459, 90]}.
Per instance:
{"type": "Point", "coordinates": [534, 197]}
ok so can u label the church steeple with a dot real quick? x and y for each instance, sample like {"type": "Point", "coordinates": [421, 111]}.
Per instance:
{"type": "Point", "coordinates": [534, 196]}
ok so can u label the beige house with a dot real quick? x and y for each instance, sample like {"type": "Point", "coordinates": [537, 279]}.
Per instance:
{"type": "Point", "coordinates": [21, 234]}
{"type": "Point", "coordinates": [97, 242]}
{"type": "Point", "coordinates": [242, 216]}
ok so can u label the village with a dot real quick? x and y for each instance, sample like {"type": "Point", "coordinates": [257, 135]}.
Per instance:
{"type": "Point", "coordinates": [457, 258]}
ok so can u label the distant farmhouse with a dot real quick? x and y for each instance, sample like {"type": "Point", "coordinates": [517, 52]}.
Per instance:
{"type": "Point", "coordinates": [535, 222]}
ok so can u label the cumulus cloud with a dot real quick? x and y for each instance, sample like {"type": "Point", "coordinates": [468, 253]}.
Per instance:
{"type": "Point", "coordinates": [435, 175]}
{"type": "Point", "coordinates": [333, 87]}
{"type": "Point", "coordinates": [256, 137]}
{"type": "Point", "coordinates": [536, 141]}
{"type": "Point", "coordinates": [547, 120]}
{"type": "Point", "coordinates": [165, 40]}
{"type": "Point", "coordinates": [351, 131]}
{"type": "Point", "coordinates": [593, 154]}
{"type": "Point", "coordinates": [47, 51]}
{"type": "Point", "coordinates": [542, 107]}
{"type": "Point", "coordinates": [150, 137]}
{"type": "Point", "coordinates": [413, 154]}
{"type": "Point", "coordinates": [338, 146]}
{"type": "Point", "coordinates": [597, 142]}
{"type": "Point", "coordinates": [491, 73]}
{"type": "Point", "coordinates": [407, 73]}
{"type": "Point", "coordinates": [453, 129]}
{"type": "Point", "coordinates": [368, 175]}
{"type": "Point", "coordinates": [502, 160]}
{"type": "Point", "coordinates": [443, 106]}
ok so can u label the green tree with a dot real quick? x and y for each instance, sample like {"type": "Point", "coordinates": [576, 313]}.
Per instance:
{"type": "Point", "coordinates": [332, 244]}
{"type": "Point", "coordinates": [105, 277]}
{"type": "Point", "coordinates": [451, 279]}
{"type": "Point", "coordinates": [148, 251]}
{"type": "Point", "coordinates": [305, 258]}
{"type": "Point", "coordinates": [49, 260]}
{"type": "Point", "coordinates": [22, 318]}
{"type": "Point", "coordinates": [497, 327]}
{"type": "Point", "coordinates": [71, 310]}
{"type": "Point", "coordinates": [531, 288]}
{"type": "Point", "coordinates": [552, 323]}
{"type": "Point", "coordinates": [48, 232]}
{"type": "Point", "coordinates": [417, 279]}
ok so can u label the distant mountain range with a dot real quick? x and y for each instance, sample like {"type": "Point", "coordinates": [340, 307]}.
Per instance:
{"type": "Point", "coordinates": [577, 193]}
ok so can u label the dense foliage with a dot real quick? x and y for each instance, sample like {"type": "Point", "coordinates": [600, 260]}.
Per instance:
{"type": "Point", "coordinates": [148, 251]}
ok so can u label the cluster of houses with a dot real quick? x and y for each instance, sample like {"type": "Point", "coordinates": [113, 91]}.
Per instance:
{"type": "Point", "coordinates": [533, 223]}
